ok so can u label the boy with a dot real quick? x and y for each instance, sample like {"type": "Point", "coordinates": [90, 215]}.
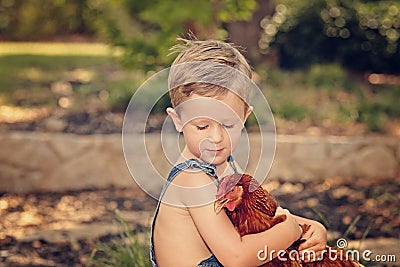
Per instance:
{"type": "Point", "coordinates": [210, 109]}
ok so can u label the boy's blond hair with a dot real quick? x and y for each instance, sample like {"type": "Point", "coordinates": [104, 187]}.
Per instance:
{"type": "Point", "coordinates": [215, 52]}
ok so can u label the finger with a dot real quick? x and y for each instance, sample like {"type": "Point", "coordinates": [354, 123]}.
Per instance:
{"type": "Point", "coordinates": [311, 255]}
{"type": "Point", "coordinates": [308, 243]}
{"type": "Point", "coordinates": [316, 248]}
{"type": "Point", "coordinates": [311, 244]}
{"type": "Point", "coordinates": [307, 235]}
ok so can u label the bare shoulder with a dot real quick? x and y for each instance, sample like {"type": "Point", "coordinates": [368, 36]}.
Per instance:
{"type": "Point", "coordinates": [191, 188]}
{"type": "Point", "coordinates": [192, 178]}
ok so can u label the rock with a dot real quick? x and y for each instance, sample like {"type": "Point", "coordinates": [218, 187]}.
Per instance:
{"type": "Point", "coordinates": [28, 219]}
{"type": "Point", "coordinates": [374, 161]}
{"type": "Point", "coordinates": [53, 124]}
{"type": "Point", "coordinates": [67, 146]}
{"type": "Point", "coordinates": [340, 147]}
{"type": "Point", "coordinates": [27, 151]}
{"type": "Point", "coordinates": [52, 161]}
{"type": "Point", "coordinates": [398, 153]}
{"type": "Point", "coordinates": [312, 152]}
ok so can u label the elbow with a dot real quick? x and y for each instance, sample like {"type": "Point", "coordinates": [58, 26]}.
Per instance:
{"type": "Point", "coordinates": [235, 258]}
{"type": "Point", "coordinates": [232, 263]}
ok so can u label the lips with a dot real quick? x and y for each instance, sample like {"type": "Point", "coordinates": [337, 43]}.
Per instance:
{"type": "Point", "coordinates": [215, 151]}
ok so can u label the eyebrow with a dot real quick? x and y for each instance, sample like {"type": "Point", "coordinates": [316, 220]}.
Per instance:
{"type": "Point", "coordinates": [223, 121]}
{"type": "Point", "coordinates": [201, 120]}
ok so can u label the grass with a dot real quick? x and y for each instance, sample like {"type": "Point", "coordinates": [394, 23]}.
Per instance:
{"type": "Point", "coordinates": [333, 243]}
{"type": "Point", "coordinates": [89, 76]}
{"type": "Point", "coordinates": [31, 72]}
{"type": "Point", "coordinates": [127, 251]}
{"type": "Point", "coordinates": [328, 95]}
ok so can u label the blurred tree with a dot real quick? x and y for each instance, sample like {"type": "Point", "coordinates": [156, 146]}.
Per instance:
{"type": "Point", "coordinates": [147, 29]}
{"type": "Point", "coordinates": [363, 35]}
{"type": "Point", "coordinates": [31, 20]}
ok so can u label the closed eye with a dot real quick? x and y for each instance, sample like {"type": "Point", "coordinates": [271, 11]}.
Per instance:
{"type": "Point", "coordinates": [201, 127]}
{"type": "Point", "coordinates": [228, 126]}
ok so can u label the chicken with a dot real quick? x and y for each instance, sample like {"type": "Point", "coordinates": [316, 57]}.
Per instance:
{"type": "Point", "coordinates": [252, 210]}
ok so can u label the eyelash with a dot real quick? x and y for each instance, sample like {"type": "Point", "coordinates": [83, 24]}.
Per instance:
{"type": "Point", "coordinates": [206, 126]}
{"type": "Point", "coordinates": [202, 127]}
{"type": "Point", "coordinates": [228, 126]}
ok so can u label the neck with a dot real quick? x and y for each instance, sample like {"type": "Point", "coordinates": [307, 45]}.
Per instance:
{"type": "Point", "coordinates": [221, 168]}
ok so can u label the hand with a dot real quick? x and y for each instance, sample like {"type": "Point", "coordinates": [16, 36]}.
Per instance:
{"type": "Point", "coordinates": [315, 240]}
{"type": "Point", "coordinates": [291, 221]}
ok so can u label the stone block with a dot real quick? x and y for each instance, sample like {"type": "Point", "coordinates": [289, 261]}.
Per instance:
{"type": "Point", "coordinates": [19, 180]}
{"type": "Point", "coordinates": [28, 151]}
{"type": "Point", "coordinates": [340, 150]}
{"type": "Point", "coordinates": [56, 162]}
{"type": "Point", "coordinates": [313, 152]}
{"type": "Point", "coordinates": [67, 146]}
{"type": "Point", "coordinates": [374, 161]}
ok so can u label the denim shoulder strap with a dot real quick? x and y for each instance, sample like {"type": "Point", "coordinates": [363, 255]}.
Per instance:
{"type": "Point", "coordinates": [232, 163]}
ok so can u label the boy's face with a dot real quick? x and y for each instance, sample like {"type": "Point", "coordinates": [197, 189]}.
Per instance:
{"type": "Point", "coordinates": [211, 126]}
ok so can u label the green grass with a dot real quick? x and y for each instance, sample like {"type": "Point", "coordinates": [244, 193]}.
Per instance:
{"type": "Point", "coordinates": [328, 95]}
{"type": "Point", "coordinates": [333, 243]}
{"type": "Point", "coordinates": [30, 71]}
{"type": "Point", "coordinates": [29, 80]}
{"type": "Point", "coordinates": [26, 80]}
{"type": "Point", "coordinates": [126, 251]}
{"type": "Point", "coordinates": [319, 96]}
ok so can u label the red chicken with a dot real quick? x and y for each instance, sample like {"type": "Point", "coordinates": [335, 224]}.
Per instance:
{"type": "Point", "coordinates": [252, 210]}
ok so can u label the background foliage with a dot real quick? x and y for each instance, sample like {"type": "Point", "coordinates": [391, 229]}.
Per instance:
{"type": "Point", "coordinates": [333, 50]}
{"type": "Point", "coordinates": [147, 29]}
{"type": "Point", "coordinates": [39, 19]}
{"type": "Point", "coordinates": [362, 35]}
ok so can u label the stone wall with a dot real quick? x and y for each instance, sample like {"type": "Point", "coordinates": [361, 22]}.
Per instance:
{"type": "Point", "coordinates": [307, 157]}
{"type": "Point", "coordinates": [32, 162]}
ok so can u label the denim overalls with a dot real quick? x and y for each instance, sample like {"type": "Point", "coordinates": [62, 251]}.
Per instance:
{"type": "Point", "coordinates": [209, 169]}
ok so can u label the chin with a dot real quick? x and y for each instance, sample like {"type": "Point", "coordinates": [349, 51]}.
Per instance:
{"type": "Point", "coordinates": [220, 159]}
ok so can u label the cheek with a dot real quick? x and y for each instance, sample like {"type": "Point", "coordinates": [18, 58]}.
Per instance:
{"type": "Point", "coordinates": [194, 140]}
{"type": "Point", "coordinates": [234, 137]}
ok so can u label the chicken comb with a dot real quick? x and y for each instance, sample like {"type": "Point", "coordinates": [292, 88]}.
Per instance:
{"type": "Point", "coordinates": [227, 183]}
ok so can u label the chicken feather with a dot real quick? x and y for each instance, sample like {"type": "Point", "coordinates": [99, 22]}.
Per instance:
{"type": "Point", "coordinates": [252, 210]}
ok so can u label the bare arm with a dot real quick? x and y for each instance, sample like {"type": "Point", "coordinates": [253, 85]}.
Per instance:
{"type": "Point", "coordinates": [226, 244]}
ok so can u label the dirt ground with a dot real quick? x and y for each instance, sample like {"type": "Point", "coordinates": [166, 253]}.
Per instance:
{"type": "Point", "coordinates": [41, 229]}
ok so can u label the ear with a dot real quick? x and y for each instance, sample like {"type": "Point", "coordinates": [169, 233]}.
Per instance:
{"type": "Point", "coordinates": [247, 114]}
{"type": "Point", "coordinates": [175, 118]}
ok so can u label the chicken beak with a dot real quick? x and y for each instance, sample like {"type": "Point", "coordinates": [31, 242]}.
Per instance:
{"type": "Point", "coordinates": [219, 204]}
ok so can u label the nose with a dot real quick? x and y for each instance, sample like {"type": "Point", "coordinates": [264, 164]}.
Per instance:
{"type": "Point", "coordinates": [216, 133]}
